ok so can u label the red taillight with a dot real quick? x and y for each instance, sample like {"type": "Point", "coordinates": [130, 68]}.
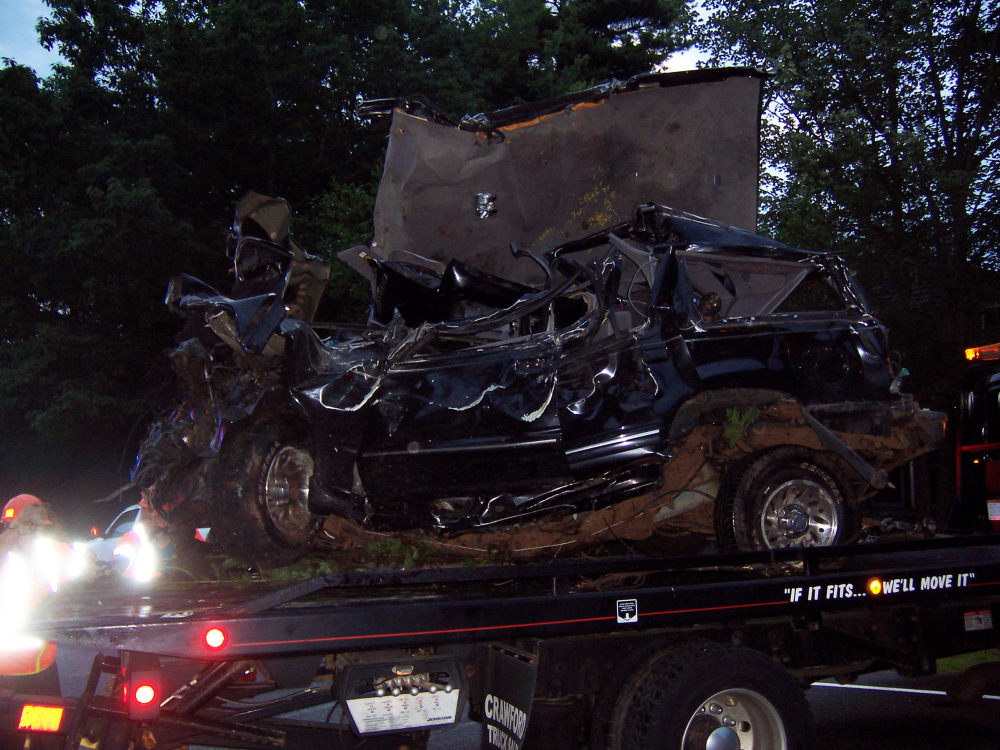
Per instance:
{"type": "Point", "coordinates": [142, 682]}
{"type": "Point", "coordinates": [145, 694]}
{"type": "Point", "coordinates": [215, 638]}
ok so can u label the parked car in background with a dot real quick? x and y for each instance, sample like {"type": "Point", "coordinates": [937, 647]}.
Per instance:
{"type": "Point", "coordinates": [103, 545]}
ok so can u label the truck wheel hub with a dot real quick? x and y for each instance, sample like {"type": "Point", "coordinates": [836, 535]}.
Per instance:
{"type": "Point", "coordinates": [287, 491]}
{"type": "Point", "coordinates": [735, 719]}
{"type": "Point", "coordinates": [793, 520]}
{"type": "Point", "coordinates": [799, 512]}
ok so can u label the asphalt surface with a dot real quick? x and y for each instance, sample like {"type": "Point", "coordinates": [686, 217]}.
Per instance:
{"type": "Point", "coordinates": [884, 711]}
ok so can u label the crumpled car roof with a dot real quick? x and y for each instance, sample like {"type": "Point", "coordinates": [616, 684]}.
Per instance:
{"type": "Point", "coordinates": [555, 171]}
{"type": "Point", "coordinates": [698, 230]}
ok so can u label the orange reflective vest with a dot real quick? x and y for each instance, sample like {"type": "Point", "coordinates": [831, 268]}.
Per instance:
{"type": "Point", "coordinates": [27, 660]}
{"type": "Point", "coordinates": [27, 575]}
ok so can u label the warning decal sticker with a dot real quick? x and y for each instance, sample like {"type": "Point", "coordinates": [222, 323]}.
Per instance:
{"type": "Point", "coordinates": [981, 619]}
{"type": "Point", "coordinates": [628, 611]}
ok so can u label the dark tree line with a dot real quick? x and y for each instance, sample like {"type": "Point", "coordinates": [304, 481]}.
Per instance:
{"type": "Point", "coordinates": [884, 145]}
{"type": "Point", "coordinates": [121, 168]}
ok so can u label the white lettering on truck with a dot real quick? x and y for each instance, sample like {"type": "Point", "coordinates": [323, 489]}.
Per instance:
{"type": "Point", "coordinates": [507, 715]}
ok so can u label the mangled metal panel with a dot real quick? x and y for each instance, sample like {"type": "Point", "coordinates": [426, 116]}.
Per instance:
{"type": "Point", "coordinates": [265, 258]}
{"type": "Point", "coordinates": [552, 172]}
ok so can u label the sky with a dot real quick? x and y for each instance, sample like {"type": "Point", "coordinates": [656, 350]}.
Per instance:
{"type": "Point", "coordinates": [18, 38]}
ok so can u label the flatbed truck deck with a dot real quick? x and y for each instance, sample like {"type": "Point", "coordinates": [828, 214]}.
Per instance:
{"type": "Point", "coordinates": [706, 651]}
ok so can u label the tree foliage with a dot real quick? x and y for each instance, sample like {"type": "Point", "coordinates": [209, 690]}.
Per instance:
{"type": "Point", "coordinates": [122, 167]}
{"type": "Point", "coordinates": [883, 143]}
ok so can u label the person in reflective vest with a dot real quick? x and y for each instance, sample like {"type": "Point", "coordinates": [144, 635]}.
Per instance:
{"type": "Point", "coordinates": [143, 548]}
{"type": "Point", "coordinates": [33, 563]}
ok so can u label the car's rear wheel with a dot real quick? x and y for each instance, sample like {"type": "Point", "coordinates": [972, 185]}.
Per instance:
{"type": "Point", "coordinates": [261, 514]}
{"type": "Point", "coordinates": [785, 497]}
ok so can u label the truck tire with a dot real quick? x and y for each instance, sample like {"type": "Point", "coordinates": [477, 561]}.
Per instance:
{"type": "Point", "coordinates": [607, 716]}
{"type": "Point", "coordinates": [261, 515]}
{"type": "Point", "coordinates": [708, 696]}
{"type": "Point", "coordinates": [784, 497]}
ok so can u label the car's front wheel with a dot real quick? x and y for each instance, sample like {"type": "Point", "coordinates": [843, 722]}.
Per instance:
{"type": "Point", "coordinates": [261, 510]}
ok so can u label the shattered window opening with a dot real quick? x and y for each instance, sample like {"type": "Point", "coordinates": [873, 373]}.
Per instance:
{"type": "Point", "coordinates": [816, 293]}
{"type": "Point", "coordinates": [734, 287]}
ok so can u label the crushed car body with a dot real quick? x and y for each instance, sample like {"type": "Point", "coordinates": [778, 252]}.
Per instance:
{"type": "Point", "coordinates": [570, 399]}
{"type": "Point", "coordinates": [660, 371]}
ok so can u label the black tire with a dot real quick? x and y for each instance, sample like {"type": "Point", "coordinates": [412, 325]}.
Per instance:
{"type": "Point", "coordinates": [707, 695]}
{"type": "Point", "coordinates": [261, 508]}
{"type": "Point", "coordinates": [725, 519]}
{"type": "Point", "coordinates": [606, 717]}
{"type": "Point", "coordinates": [784, 497]}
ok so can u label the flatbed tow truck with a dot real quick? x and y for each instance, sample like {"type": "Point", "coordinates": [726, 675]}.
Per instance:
{"type": "Point", "coordinates": [707, 651]}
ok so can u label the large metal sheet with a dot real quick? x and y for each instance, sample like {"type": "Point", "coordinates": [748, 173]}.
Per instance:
{"type": "Point", "coordinates": [689, 141]}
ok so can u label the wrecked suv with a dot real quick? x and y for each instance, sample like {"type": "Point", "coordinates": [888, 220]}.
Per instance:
{"type": "Point", "coordinates": [665, 372]}
{"type": "Point", "coordinates": [558, 401]}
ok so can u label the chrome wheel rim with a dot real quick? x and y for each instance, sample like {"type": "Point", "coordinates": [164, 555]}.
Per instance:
{"type": "Point", "coordinates": [735, 720]}
{"type": "Point", "coordinates": [799, 513]}
{"type": "Point", "coordinates": [286, 492]}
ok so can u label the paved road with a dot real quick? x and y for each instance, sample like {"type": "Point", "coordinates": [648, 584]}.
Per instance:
{"type": "Point", "coordinates": [886, 712]}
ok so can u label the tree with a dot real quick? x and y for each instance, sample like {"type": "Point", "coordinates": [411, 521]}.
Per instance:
{"type": "Point", "coordinates": [882, 143]}
{"type": "Point", "coordinates": [524, 50]}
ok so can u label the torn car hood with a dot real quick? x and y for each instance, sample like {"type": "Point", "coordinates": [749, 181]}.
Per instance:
{"type": "Point", "coordinates": [554, 171]}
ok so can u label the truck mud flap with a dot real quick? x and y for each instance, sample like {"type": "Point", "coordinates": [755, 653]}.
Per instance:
{"type": "Point", "coordinates": [509, 691]}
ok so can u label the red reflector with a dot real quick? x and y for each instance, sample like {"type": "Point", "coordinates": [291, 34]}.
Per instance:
{"type": "Point", "coordinates": [215, 638]}
{"type": "Point", "coordinates": [40, 718]}
{"type": "Point", "coordinates": [145, 694]}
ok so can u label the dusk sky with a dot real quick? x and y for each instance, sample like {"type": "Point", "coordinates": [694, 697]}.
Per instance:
{"type": "Point", "coordinates": [18, 38]}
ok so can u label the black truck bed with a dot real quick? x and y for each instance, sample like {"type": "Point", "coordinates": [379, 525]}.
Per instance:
{"type": "Point", "coordinates": [408, 609]}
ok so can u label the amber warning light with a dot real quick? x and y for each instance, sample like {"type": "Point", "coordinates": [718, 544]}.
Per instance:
{"type": "Point", "coordinates": [40, 718]}
{"type": "Point", "coordinates": [875, 586]}
{"type": "Point", "coordinates": [991, 351]}
{"type": "Point", "coordinates": [215, 638]}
